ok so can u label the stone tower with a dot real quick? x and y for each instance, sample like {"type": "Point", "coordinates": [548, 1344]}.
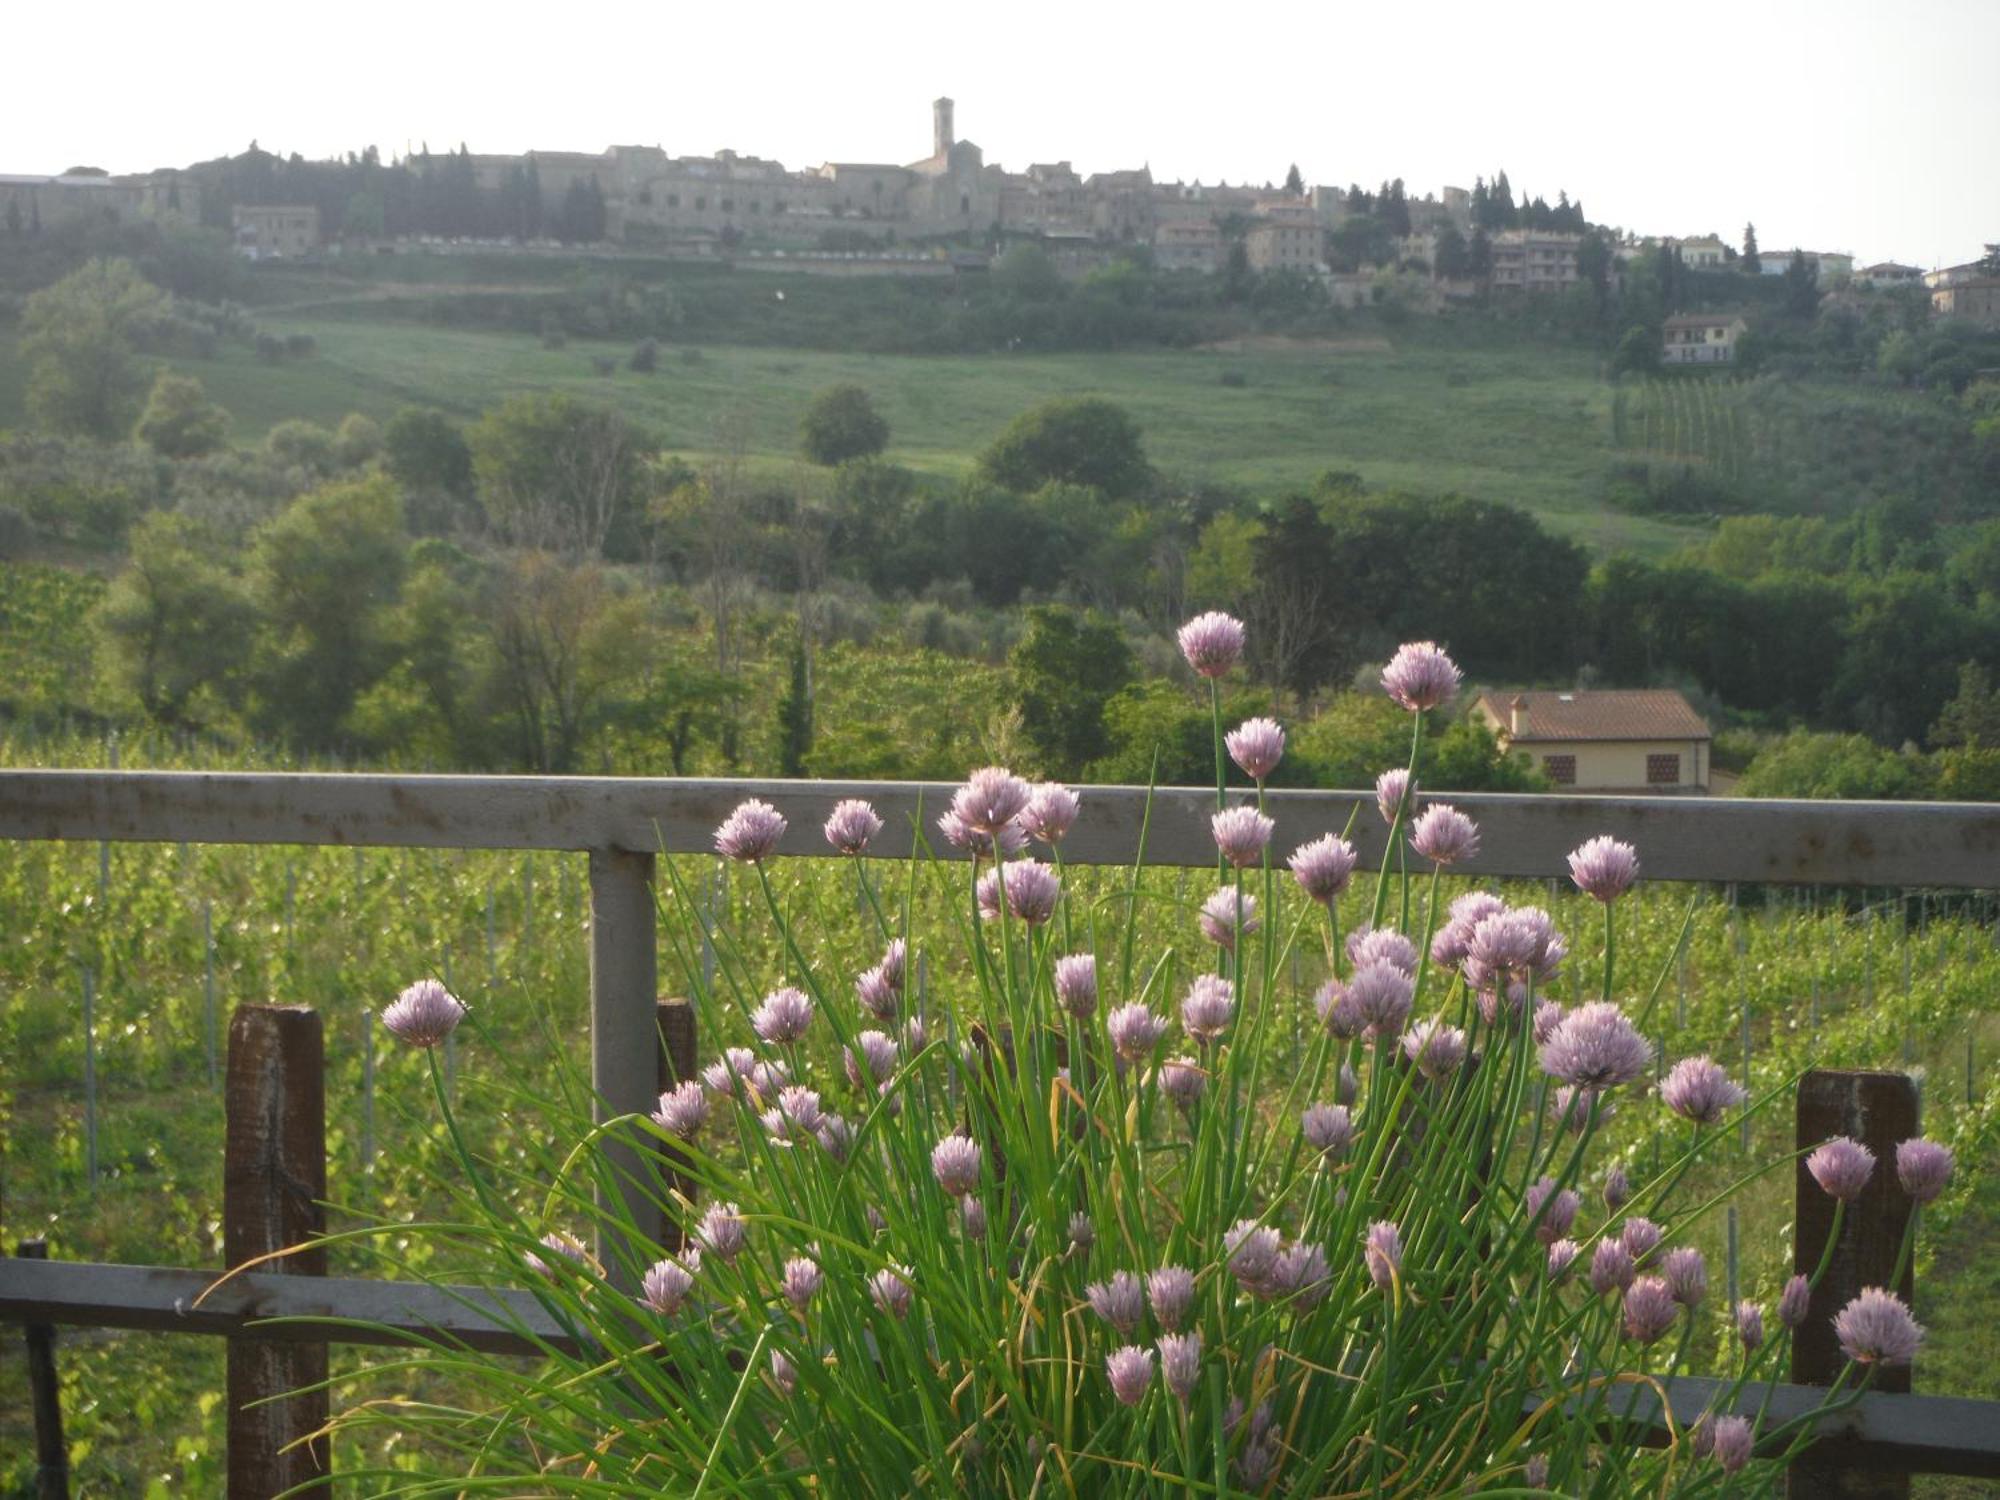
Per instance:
{"type": "Point", "coordinates": [940, 126]}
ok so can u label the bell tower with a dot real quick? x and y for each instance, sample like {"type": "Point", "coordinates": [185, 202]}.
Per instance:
{"type": "Point", "coordinates": [941, 138]}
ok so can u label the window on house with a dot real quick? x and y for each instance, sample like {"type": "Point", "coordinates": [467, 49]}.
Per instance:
{"type": "Point", "coordinates": [1561, 769]}
{"type": "Point", "coordinates": [1663, 770]}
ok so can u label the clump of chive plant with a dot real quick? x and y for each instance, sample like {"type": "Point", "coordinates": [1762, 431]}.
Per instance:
{"type": "Point", "coordinates": [1061, 1210]}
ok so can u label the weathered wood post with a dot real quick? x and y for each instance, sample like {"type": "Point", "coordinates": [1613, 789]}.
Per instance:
{"type": "Point", "coordinates": [677, 1063]}
{"type": "Point", "coordinates": [273, 1197]}
{"type": "Point", "coordinates": [624, 1048]}
{"type": "Point", "coordinates": [1879, 1110]}
{"type": "Point", "coordinates": [45, 1392]}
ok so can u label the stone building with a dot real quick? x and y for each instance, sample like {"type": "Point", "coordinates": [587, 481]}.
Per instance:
{"type": "Point", "coordinates": [1700, 338]}
{"type": "Point", "coordinates": [30, 199]}
{"type": "Point", "coordinates": [1287, 236]}
{"type": "Point", "coordinates": [1534, 260]}
{"type": "Point", "coordinates": [275, 232]}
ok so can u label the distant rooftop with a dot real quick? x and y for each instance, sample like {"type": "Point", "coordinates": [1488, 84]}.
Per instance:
{"type": "Point", "coordinates": [1613, 714]}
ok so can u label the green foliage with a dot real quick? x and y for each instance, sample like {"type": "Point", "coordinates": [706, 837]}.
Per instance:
{"type": "Point", "coordinates": [302, 445]}
{"type": "Point", "coordinates": [840, 425]}
{"type": "Point", "coordinates": [1075, 439]}
{"type": "Point", "coordinates": [1806, 764]}
{"type": "Point", "coordinates": [176, 625]}
{"type": "Point", "coordinates": [80, 493]}
{"type": "Point", "coordinates": [428, 455]}
{"type": "Point", "coordinates": [357, 441]}
{"type": "Point", "coordinates": [795, 715]}
{"type": "Point", "coordinates": [79, 339]}
{"type": "Point", "coordinates": [558, 474]}
{"type": "Point", "coordinates": [1972, 718]}
{"type": "Point", "coordinates": [1638, 351]}
{"type": "Point", "coordinates": [179, 420]}
{"type": "Point", "coordinates": [1066, 668]}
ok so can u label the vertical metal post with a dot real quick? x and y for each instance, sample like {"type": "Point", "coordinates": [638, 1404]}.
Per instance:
{"type": "Point", "coordinates": [1732, 1259]}
{"type": "Point", "coordinates": [624, 975]}
{"type": "Point", "coordinates": [1743, 1129]}
{"type": "Point", "coordinates": [90, 1075]}
{"type": "Point", "coordinates": [45, 1394]}
{"type": "Point", "coordinates": [1878, 1110]}
{"type": "Point", "coordinates": [368, 1091]}
{"type": "Point", "coordinates": [273, 1189]}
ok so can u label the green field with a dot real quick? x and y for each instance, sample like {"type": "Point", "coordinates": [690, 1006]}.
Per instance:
{"type": "Point", "coordinates": [1529, 427]}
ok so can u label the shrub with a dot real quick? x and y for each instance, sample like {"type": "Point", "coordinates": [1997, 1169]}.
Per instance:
{"type": "Point", "coordinates": [1032, 1224]}
{"type": "Point", "coordinates": [842, 424]}
{"type": "Point", "coordinates": [646, 356]}
{"type": "Point", "coordinates": [180, 421]}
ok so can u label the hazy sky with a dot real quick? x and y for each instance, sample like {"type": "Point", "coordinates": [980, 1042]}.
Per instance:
{"type": "Point", "coordinates": [1866, 127]}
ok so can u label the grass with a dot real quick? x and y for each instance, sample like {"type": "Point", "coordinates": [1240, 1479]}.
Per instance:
{"type": "Point", "coordinates": [1527, 426]}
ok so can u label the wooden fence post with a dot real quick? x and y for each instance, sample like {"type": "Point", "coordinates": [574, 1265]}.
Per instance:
{"type": "Point", "coordinates": [624, 1046]}
{"type": "Point", "coordinates": [1879, 1110]}
{"type": "Point", "coordinates": [273, 1196]}
{"type": "Point", "coordinates": [45, 1392]}
{"type": "Point", "coordinates": [678, 1052]}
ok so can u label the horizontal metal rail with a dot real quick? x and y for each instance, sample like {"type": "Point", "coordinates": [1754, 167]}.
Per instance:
{"type": "Point", "coordinates": [1912, 1434]}
{"type": "Point", "coordinates": [1940, 844]}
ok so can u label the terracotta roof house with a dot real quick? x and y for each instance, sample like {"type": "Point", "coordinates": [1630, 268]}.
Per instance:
{"type": "Point", "coordinates": [1647, 742]}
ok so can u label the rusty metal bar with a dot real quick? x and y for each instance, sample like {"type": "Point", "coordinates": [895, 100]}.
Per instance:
{"type": "Point", "coordinates": [624, 1051]}
{"type": "Point", "coordinates": [45, 1394]}
{"type": "Point", "coordinates": [1679, 838]}
{"type": "Point", "coordinates": [273, 1198]}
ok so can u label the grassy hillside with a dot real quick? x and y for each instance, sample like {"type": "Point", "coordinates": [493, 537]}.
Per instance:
{"type": "Point", "coordinates": [1528, 427]}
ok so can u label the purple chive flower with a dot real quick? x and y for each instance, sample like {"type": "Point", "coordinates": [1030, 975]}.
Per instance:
{"type": "Point", "coordinates": [1208, 1008]}
{"type": "Point", "coordinates": [1135, 1031]}
{"type": "Point", "coordinates": [1383, 1251]}
{"type": "Point", "coordinates": [1170, 1291]}
{"type": "Point", "coordinates": [1611, 1267]}
{"type": "Point", "coordinates": [1076, 984]}
{"type": "Point", "coordinates": [1923, 1167]}
{"type": "Point", "coordinates": [1323, 867]}
{"type": "Point", "coordinates": [1750, 1325]}
{"type": "Point", "coordinates": [1252, 1252]}
{"type": "Point", "coordinates": [802, 1281]}
{"type": "Point", "coordinates": [890, 1288]}
{"type": "Point", "coordinates": [955, 1162]}
{"type": "Point", "coordinates": [1649, 1309]}
{"type": "Point", "coordinates": [1640, 1236]}
{"type": "Point", "coordinates": [1595, 1047]}
{"type": "Point", "coordinates": [1346, 1087]}
{"type": "Point", "coordinates": [1302, 1275]}
{"type": "Point", "coordinates": [1182, 1081]}
{"type": "Point", "coordinates": [750, 833]}
{"type": "Point", "coordinates": [1436, 1049]}
{"type": "Point", "coordinates": [1228, 916]}
{"type": "Point", "coordinates": [1511, 945]}
{"type": "Point", "coordinates": [566, 1247]}
{"type": "Point", "coordinates": [783, 1017]}
{"type": "Point", "coordinates": [851, 825]}
{"type": "Point", "coordinates": [1241, 833]}
{"type": "Point", "coordinates": [784, 1373]}
{"type": "Point", "coordinates": [1686, 1274]}
{"type": "Point", "coordinates": [1732, 1442]}
{"type": "Point", "coordinates": [1794, 1301]}
{"type": "Point", "coordinates": [730, 1073]}
{"type": "Point", "coordinates": [871, 1060]}
{"type": "Point", "coordinates": [1604, 868]}
{"type": "Point", "coordinates": [1130, 1371]}
{"type": "Point", "coordinates": [895, 959]}
{"type": "Point", "coordinates": [1338, 1011]}
{"type": "Point", "coordinates": [666, 1286]}
{"type": "Point", "coordinates": [1842, 1167]}
{"type": "Point", "coordinates": [1012, 837]}
{"type": "Point", "coordinates": [1553, 1212]}
{"type": "Point", "coordinates": [1562, 1255]}
{"type": "Point", "coordinates": [1444, 835]}
{"type": "Point", "coordinates": [683, 1109]}
{"type": "Point", "coordinates": [1573, 1108]}
{"type": "Point", "coordinates": [1082, 1233]}
{"type": "Point", "coordinates": [1548, 1016]}
{"type": "Point", "coordinates": [1617, 1187]}
{"type": "Point", "coordinates": [1420, 676]}
{"type": "Point", "coordinates": [986, 891]}
{"type": "Point", "coordinates": [1051, 811]}
{"type": "Point", "coordinates": [1381, 945]}
{"type": "Point", "coordinates": [424, 1014]}
{"type": "Point", "coordinates": [1180, 1362]}
{"type": "Point", "coordinates": [1395, 789]}
{"type": "Point", "coordinates": [836, 1136]}
{"type": "Point", "coordinates": [722, 1232]}
{"type": "Point", "coordinates": [991, 798]}
{"type": "Point", "coordinates": [1877, 1329]}
{"type": "Point", "coordinates": [1212, 643]}
{"type": "Point", "coordinates": [1119, 1301]}
{"type": "Point", "coordinates": [796, 1116]}
{"type": "Point", "coordinates": [1257, 745]}
{"type": "Point", "coordinates": [769, 1078]}
{"type": "Point", "coordinates": [916, 1035]}
{"type": "Point", "coordinates": [1383, 993]}
{"type": "Point", "coordinates": [877, 995]}
{"type": "Point", "coordinates": [972, 1217]}
{"type": "Point", "coordinates": [1032, 888]}
{"type": "Point", "coordinates": [1697, 1089]}
{"type": "Point", "coordinates": [1328, 1128]}
{"type": "Point", "coordinates": [1535, 1472]}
